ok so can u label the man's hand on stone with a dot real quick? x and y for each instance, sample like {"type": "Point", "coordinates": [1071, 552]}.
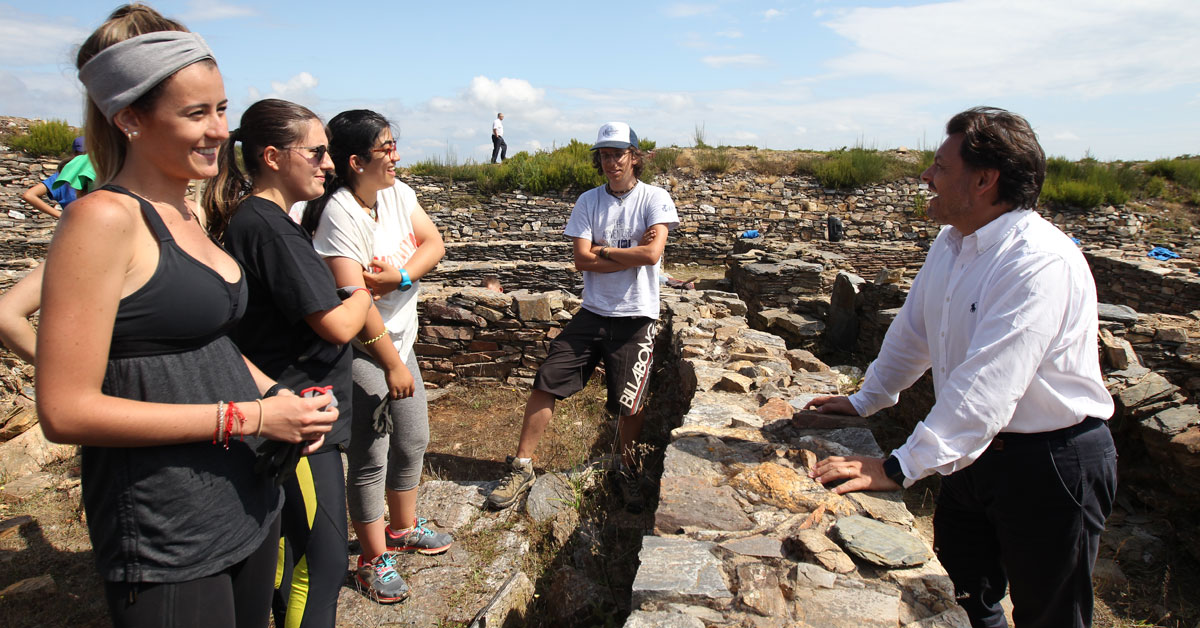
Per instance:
{"type": "Point", "coordinates": [832, 405]}
{"type": "Point", "coordinates": [856, 473]}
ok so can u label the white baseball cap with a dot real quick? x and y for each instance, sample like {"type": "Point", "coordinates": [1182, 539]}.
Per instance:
{"type": "Point", "coordinates": [615, 135]}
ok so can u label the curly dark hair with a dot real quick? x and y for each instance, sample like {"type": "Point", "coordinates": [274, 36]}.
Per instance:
{"type": "Point", "coordinates": [995, 138]}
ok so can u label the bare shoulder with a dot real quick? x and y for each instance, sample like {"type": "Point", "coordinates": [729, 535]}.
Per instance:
{"type": "Point", "coordinates": [101, 213]}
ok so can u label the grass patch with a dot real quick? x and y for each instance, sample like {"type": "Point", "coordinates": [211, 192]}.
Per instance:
{"type": "Point", "coordinates": [714, 160]}
{"type": "Point", "coordinates": [1088, 183]}
{"type": "Point", "coordinates": [53, 137]}
{"type": "Point", "coordinates": [855, 167]}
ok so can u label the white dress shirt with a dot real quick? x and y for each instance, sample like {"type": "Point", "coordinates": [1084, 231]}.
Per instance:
{"type": "Point", "coordinates": [1006, 317]}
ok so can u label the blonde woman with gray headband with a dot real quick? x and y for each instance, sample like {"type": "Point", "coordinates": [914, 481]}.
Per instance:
{"type": "Point", "coordinates": [133, 359]}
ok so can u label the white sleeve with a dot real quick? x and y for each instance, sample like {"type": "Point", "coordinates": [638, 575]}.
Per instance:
{"type": "Point", "coordinates": [579, 225]}
{"type": "Point", "coordinates": [338, 236]}
{"type": "Point", "coordinates": [1024, 312]}
{"type": "Point", "coordinates": [662, 211]}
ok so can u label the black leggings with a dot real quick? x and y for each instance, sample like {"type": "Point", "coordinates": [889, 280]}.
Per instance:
{"type": "Point", "coordinates": [239, 596]}
{"type": "Point", "coordinates": [312, 561]}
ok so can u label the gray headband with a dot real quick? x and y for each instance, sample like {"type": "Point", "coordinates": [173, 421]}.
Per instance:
{"type": "Point", "coordinates": [120, 74]}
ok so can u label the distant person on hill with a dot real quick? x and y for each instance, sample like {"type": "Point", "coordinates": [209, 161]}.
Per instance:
{"type": "Point", "coordinates": [618, 231]}
{"type": "Point", "coordinates": [62, 194]}
{"type": "Point", "coordinates": [491, 282]}
{"type": "Point", "coordinates": [1004, 313]}
{"type": "Point", "coordinates": [498, 145]}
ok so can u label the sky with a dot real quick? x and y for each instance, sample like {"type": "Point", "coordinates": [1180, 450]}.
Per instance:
{"type": "Point", "coordinates": [1114, 79]}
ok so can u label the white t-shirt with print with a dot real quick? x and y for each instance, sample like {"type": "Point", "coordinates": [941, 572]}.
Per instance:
{"type": "Point", "coordinates": [347, 231]}
{"type": "Point", "coordinates": [620, 223]}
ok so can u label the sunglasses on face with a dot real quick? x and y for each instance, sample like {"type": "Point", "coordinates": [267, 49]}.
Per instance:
{"type": "Point", "coordinates": [313, 152]}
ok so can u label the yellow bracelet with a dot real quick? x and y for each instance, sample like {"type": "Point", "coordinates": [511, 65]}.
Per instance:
{"type": "Point", "coordinates": [381, 335]}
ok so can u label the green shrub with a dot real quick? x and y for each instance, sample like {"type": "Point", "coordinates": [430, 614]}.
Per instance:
{"type": "Point", "coordinates": [661, 160]}
{"type": "Point", "coordinates": [920, 206]}
{"type": "Point", "coordinates": [1182, 170]}
{"type": "Point", "coordinates": [851, 168]}
{"type": "Point", "coordinates": [45, 138]}
{"type": "Point", "coordinates": [698, 137]}
{"type": "Point", "coordinates": [1088, 183]}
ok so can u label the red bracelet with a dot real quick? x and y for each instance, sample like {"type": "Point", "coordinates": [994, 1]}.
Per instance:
{"type": "Point", "coordinates": [366, 290]}
{"type": "Point", "coordinates": [232, 412]}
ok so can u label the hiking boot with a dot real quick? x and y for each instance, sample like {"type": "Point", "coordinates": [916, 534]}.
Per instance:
{"type": "Point", "coordinates": [513, 485]}
{"type": "Point", "coordinates": [418, 539]}
{"type": "Point", "coordinates": [379, 581]}
{"type": "Point", "coordinates": [628, 484]}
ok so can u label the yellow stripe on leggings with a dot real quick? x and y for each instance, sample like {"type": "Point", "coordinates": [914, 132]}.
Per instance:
{"type": "Point", "coordinates": [298, 598]}
{"type": "Point", "coordinates": [279, 563]}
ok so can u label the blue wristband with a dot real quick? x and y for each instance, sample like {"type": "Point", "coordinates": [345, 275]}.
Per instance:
{"type": "Point", "coordinates": [405, 282]}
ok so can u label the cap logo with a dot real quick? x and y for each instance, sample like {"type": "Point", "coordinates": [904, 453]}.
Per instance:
{"type": "Point", "coordinates": [611, 131]}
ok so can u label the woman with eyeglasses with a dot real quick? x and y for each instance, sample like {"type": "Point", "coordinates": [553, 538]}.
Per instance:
{"type": "Point", "coordinates": [134, 361]}
{"type": "Point", "coordinates": [369, 227]}
{"type": "Point", "coordinates": [297, 325]}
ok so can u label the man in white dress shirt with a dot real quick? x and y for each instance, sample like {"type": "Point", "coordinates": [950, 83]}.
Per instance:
{"type": "Point", "coordinates": [499, 147]}
{"type": "Point", "coordinates": [1004, 313]}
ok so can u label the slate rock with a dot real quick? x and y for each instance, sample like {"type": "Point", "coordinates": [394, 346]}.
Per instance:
{"type": "Point", "coordinates": [1119, 313]}
{"type": "Point", "coordinates": [550, 494]}
{"type": "Point", "coordinates": [786, 488]}
{"type": "Point", "coordinates": [679, 570]}
{"type": "Point", "coordinates": [661, 619]}
{"type": "Point", "coordinates": [813, 545]}
{"type": "Point", "coordinates": [850, 604]}
{"type": "Point", "coordinates": [758, 590]}
{"type": "Point", "coordinates": [686, 502]}
{"type": "Point", "coordinates": [451, 505]}
{"type": "Point", "coordinates": [758, 545]}
{"type": "Point", "coordinates": [880, 543]}
{"type": "Point", "coordinates": [1153, 387]}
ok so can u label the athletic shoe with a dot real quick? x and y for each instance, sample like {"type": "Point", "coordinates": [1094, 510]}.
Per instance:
{"type": "Point", "coordinates": [418, 539]}
{"type": "Point", "coordinates": [512, 486]}
{"type": "Point", "coordinates": [379, 580]}
{"type": "Point", "coordinates": [628, 485]}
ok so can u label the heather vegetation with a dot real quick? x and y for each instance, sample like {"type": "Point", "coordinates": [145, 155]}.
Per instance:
{"type": "Point", "coordinates": [50, 138]}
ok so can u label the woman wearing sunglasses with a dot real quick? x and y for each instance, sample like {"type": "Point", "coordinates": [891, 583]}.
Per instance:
{"type": "Point", "coordinates": [370, 227]}
{"type": "Point", "coordinates": [296, 327]}
{"type": "Point", "coordinates": [134, 361]}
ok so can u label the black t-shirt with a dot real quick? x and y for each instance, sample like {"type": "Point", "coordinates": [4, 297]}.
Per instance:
{"type": "Point", "coordinates": [288, 281]}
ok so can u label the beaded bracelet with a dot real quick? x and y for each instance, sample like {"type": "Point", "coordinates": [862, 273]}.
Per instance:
{"type": "Point", "coordinates": [381, 335]}
{"type": "Point", "coordinates": [219, 432]}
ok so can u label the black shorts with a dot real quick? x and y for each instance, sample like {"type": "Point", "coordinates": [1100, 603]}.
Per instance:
{"type": "Point", "coordinates": [625, 343]}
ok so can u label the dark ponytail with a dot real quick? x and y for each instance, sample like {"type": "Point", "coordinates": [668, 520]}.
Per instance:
{"type": "Point", "coordinates": [269, 122]}
{"type": "Point", "coordinates": [350, 133]}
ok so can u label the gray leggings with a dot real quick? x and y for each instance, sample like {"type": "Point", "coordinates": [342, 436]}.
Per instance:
{"type": "Point", "coordinates": [403, 450]}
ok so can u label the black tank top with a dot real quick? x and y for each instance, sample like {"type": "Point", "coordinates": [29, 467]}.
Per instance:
{"type": "Point", "coordinates": [180, 307]}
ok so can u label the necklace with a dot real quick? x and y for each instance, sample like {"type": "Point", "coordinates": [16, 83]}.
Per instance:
{"type": "Point", "coordinates": [371, 209]}
{"type": "Point", "coordinates": [619, 195]}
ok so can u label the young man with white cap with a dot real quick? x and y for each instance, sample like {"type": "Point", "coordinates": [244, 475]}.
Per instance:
{"type": "Point", "coordinates": [618, 231]}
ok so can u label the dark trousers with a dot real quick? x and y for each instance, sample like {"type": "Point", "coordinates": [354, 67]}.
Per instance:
{"type": "Point", "coordinates": [239, 597]}
{"type": "Point", "coordinates": [499, 148]}
{"type": "Point", "coordinates": [1028, 515]}
{"type": "Point", "coordinates": [313, 567]}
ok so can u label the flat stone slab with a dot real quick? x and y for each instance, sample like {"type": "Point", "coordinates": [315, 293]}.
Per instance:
{"type": "Point", "coordinates": [26, 486]}
{"type": "Point", "coordinates": [856, 439]}
{"type": "Point", "coordinates": [679, 570]}
{"type": "Point", "coordinates": [887, 507]}
{"type": "Point", "coordinates": [880, 543]}
{"type": "Point", "coordinates": [661, 619]}
{"type": "Point", "coordinates": [849, 604]}
{"type": "Point", "coordinates": [1119, 313]}
{"type": "Point", "coordinates": [685, 502]}
{"type": "Point", "coordinates": [451, 505]}
{"type": "Point", "coordinates": [759, 546]}
{"type": "Point", "coordinates": [549, 494]}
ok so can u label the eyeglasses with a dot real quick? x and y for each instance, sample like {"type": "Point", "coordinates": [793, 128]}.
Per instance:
{"type": "Point", "coordinates": [613, 155]}
{"type": "Point", "coordinates": [388, 148]}
{"type": "Point", "coordinates": [314, 152]}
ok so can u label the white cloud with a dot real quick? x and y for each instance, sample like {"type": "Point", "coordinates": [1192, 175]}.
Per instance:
{"type": "Point", "coordinates": [212, 10]}
{"type": "Point", "coordinates": [735, 34]}
{"type": "Point", "coordinates": [27, 40]}
{"type": "Point", "coordinates": [41, 95]}
{"type": "Point", "coordinates": [685, 9]}
{"type": "Point", "coordinates": [296, 88]}
{"type": "Point", "coordinates": [742, 60]}
{"type": "Point", "coordinates": [744, 136]}
{"type": "Point", "coordinates": [507, 92]}
{"type": "Point", "coordinates": [1085, 49]}
{"type": "Point", "coordinates": [674, 102]}
{"type": "Point", "coordinates": [1065, 136]}
{"type": "Point", "coordinates": [799, 130]}
{"type": "Point", "coordinates": [771, 14]}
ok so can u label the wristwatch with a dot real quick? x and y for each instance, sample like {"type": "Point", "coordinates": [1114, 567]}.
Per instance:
{"type": "Point", "coordinates": [891, 467]}
{"type": "Point", "coordinates": [405, 282]}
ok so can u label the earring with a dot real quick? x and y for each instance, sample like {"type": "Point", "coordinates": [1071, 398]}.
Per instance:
{"type": "Point", "coordinates": [360, 169]}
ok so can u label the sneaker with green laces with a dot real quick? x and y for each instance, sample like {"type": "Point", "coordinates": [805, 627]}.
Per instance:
{"type": "Point", "coordinates": [512, 486]}
{"type": "Point", "coordinates": [379, 581]}
{"type": "Point", "coordinates": [418, 539]}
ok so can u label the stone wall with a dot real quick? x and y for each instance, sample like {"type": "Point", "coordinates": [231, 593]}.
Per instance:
{"type": "Point", "coordinates": [742, 536]}
{"type": "Point", "coordinates": [1129, 277]}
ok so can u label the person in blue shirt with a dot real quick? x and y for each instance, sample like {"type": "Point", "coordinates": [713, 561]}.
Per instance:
{"type": "Point", "coordinates": [64, 195]}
